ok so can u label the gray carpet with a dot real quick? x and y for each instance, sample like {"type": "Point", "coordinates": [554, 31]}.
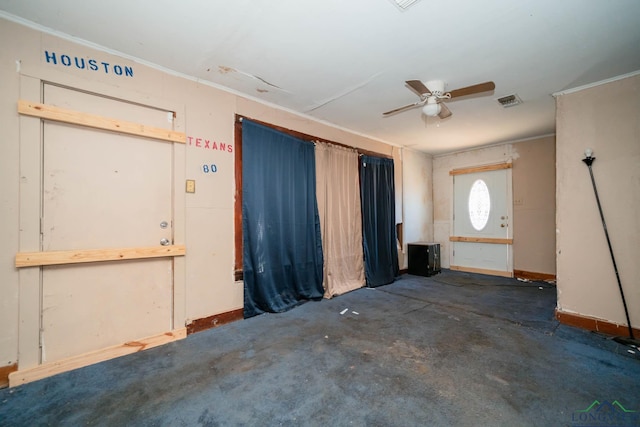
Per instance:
{"type": "Point", "coordinates": [455, 349]}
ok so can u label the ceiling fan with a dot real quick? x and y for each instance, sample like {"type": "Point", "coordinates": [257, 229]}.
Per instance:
{"type": "Point", "coordinates": [432, 93]}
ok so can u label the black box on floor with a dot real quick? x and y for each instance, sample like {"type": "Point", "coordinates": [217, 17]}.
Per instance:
{"type": "Point", "coordinates": [424, 258]}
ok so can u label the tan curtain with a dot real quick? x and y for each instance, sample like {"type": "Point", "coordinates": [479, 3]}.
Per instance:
{"type": "Point", "coordinates": [338, 192]}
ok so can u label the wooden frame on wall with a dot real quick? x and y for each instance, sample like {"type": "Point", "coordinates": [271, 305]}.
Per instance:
{"type": "Point", "coordinates": [57, 114]}
{"type": "Point", "coordinates": [31, 116]}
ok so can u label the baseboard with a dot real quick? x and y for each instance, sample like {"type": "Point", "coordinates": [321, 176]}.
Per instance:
{"type": "Point", "coordinates": [216, 320]}
{"type": "Point", "coordinates": [4, 374]}
{"type": "Point", "coordinates": [481, 271]}
{"type": "Point", "coordinates": [403, 271]}
{"type": "Point", "coordinates": [594, 324]}
{"type": "Point", "coordinates": [39, 372]}
{"type": "Point", "coordinates": [530, 275]}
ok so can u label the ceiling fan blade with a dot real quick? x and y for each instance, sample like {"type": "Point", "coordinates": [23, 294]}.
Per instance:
{"type": "Point", "coordinates": [406, 107]}
{"type": "Point", "coordinates": [444, 111]}
{"type": "Point", "coordinates": [470, 90]}
{"type": "Point", "coordinates": [418, 87]}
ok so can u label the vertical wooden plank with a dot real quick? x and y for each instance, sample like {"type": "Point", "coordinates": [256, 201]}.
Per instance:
{"type": "Point", "coordinates": [238, 199]}
{"type": "Point", "coordinates": [179, 316]}
{"type": "Point", "coordinates": [30, 207]}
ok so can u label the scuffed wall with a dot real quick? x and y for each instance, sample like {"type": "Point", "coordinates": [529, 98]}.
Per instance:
{"type": "Point", "coordinates": [9, 202]}
{"type": "Point", "coordinates": [206, 114]}
{"type": "Point", "coordinates": [534, 206]}
{"type": "Point", "coordinates": [605, 118]}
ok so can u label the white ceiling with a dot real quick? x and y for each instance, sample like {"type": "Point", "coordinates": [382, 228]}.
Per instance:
{"type": "Point", "coordinates": [345, 62]}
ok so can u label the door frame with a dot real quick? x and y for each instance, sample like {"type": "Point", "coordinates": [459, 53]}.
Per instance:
{"type": "Point", "coordinates": [31, 180]}
{"type": "Point", "coordinates": [507, 166]}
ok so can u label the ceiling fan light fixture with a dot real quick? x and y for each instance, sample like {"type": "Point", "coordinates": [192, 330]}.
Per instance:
{"type": "Point", "coordinates": [431, 109]}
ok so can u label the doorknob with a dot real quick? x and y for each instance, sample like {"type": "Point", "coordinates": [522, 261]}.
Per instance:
{"type": "Point", "coordinates": [164, 241]}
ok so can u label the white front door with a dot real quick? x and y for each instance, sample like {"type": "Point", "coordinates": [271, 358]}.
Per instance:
{"type": "Point", "coordinates": [481, 240]}
{"type": "Point", "coordinates": [104, 190]}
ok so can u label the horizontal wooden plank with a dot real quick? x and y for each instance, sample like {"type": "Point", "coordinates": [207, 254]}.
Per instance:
{"type": "Point", "coordinates": [58, 114]}
{"type": "Point", "coordinates": [53, 368]}
{"type": "Point", "coordinates": [485, 168]}
{"type": "Point", "coordinates": [214, 321]}
{"type": "Point", "coordinates": [481, 271]}
{"type": "Point", "coordinates": [32, 259]}
{"type": "Point", "coordinates": [532, 275]}
{"type": "Point", "coordinates": [481, 240]}
{"type": "Point", "coordinates": [595, 324]}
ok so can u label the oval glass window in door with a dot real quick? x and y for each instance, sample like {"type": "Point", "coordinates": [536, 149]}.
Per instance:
{"type": "Point", "coordinates": [479, 204]}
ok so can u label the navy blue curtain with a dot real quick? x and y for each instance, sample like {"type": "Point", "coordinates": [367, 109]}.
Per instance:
{"type": "Point", "coordinates": [282, 247]}
{"type": "Point", "coordinates": [378, 220]}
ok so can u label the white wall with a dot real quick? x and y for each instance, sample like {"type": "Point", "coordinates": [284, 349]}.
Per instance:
{"type": "Point", "coordinates": [605, 118]}
{"type": "Point", "coordinates": [417, 200]}
{"type": "Point", "coordinates": [9, 204]}
{"type": "Point", "coordinates": [534, 207]}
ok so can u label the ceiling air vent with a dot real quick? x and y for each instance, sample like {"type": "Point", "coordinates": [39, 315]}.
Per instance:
{"type": "Point", "coordinates": [403, 4]}
{"type": "Point", "coordinates": [509, 100]}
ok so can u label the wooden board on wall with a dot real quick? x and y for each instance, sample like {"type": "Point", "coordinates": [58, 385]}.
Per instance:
{"type": "Point", "coordinates": [50, 112]}
{"type": "Point", "coordinates": [31, 259]}
{"type": "Point", "coordinates": [49, 369]}
{"type": "Point", "coordinates": [499, 241]}
{"type": "Point", "coordinates": [485, 168]}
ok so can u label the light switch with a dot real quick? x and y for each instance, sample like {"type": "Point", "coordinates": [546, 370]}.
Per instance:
{"type": "Point", "coordinates": [191, 186]}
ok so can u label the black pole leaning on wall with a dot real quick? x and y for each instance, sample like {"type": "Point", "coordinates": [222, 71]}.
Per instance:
{"type": "Point", "coordinates": [588, 160]}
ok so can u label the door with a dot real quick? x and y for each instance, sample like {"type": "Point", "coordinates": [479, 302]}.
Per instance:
{"type": "Point", "coordinates": [482, 240]}
{"type": "Point", "coordinates": [104, 190]}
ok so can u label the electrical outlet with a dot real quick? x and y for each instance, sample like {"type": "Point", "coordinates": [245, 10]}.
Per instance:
{"type": "Point", "coordinates": [191, 186]}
